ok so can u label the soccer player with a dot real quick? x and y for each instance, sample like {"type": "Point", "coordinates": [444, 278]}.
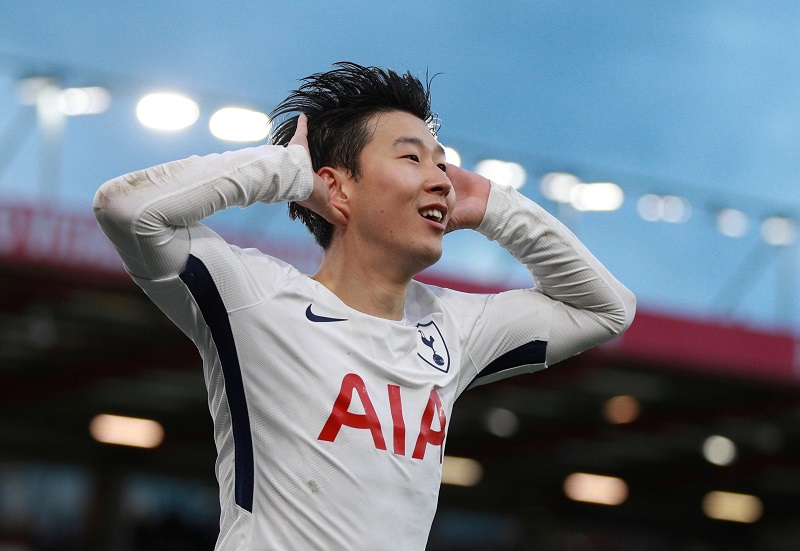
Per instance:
{"type": "Point", "coordinates": [331, 393]}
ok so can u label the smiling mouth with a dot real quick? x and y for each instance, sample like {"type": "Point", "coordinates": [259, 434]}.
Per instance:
{"type": "Point", "coordinates": [433, 214]}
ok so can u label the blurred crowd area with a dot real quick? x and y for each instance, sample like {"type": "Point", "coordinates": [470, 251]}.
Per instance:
{"type": "Point", "coordinates": [50, 507]}
{"type": "Point", "coordinates": [46, 507]}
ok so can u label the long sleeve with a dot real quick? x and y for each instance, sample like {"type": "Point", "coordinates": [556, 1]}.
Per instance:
{"type": "Point", "coordinates": [147, 214]}
{"type": "Point", "coordinates": [589, 305]}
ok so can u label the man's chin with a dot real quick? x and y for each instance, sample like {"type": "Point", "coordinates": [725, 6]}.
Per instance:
{"type": "Point", "coordinates": [430, 258]}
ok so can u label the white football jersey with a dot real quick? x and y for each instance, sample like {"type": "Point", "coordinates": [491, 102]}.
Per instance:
{"type": "Point", "coordinates": [331, 424]}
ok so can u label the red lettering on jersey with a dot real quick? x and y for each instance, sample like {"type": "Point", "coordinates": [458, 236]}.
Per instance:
{"type": "Point", "coordinates": [397, 418]}
{"type": "Point", "coordinates": [427, 435]}
{"type": "Point", "coordinates": [340, 416]}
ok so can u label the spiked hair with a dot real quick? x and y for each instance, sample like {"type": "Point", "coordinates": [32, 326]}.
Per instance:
{"type": "Point", "coordinates": [338, 104]}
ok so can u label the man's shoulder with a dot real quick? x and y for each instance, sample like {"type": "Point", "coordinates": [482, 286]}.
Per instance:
{"type": "Point", "coordinates": [428, 299]}
{"type": "Point", "coordinates": [427, 290]}
{"type": "Point", "coordinates": [258, 258]}
{"type": "Point", "coordinates": [215, 249]}
{"type": "Point", "coordinates": [243, 276]}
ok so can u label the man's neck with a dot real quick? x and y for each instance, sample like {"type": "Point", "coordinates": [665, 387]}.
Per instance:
{"type": "Point", "coordinates": [364, 283]}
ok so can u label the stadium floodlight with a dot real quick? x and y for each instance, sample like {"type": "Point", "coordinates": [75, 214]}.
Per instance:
{"type": "Point", "coordinates": [719, 450]}
{"type": "Point", "coordinates": [461, 471]}
{"type": "Point", "coordinates": [675, 209]}
{"type": "Point", "coordinates": [732, 222]}
{"type": "Point", "coordinates": [167, 111]}
{"type": "Point", "coordinates": [501, 422]}
{"type": "Point", "coordinates": [605, 196]}
{"type": "Point", "coordinates": [30, 89]}
{"type": "Point", "coordinates": [452, 156]}
{"type": "Point", "coordinates": [236, 124]}
{"type": "Point", "coordinates": [622, 409]}
{"type": "Point", "coordinates": [732, 507]}
{"type": "Point", "coordinates": [126, 431]}
{"type": "Point", "coordinates": [668, 208]}
{"type": "Point", "coordinates": [90, 100]}
{"type": "Point", "coordinates": [505, 173]}
{"type": "Point", "coordinates": [649, 207]}
{"type": "Point", "coordinates": [593, 488]}
{"type": "Point", "coordinates": [778, 231]}
{"type": "Point", "coordinates": [558, 186]}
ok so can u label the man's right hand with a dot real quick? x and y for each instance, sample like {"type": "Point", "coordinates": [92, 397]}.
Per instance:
{"type": "Point", "coordinates": [320, 199]}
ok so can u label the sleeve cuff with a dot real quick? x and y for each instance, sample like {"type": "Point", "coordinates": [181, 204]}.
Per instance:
{"type": "Point", "coordinates": [304, 183]}
{"type": "Point", "coordinates": [497, 209]}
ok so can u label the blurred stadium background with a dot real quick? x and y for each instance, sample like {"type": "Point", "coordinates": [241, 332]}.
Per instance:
{"type": "Point", "coordinates": [665, 134]}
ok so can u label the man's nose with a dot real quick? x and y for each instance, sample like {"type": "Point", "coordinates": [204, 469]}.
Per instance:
{"type": "Point", "coordinates": [439, 183]}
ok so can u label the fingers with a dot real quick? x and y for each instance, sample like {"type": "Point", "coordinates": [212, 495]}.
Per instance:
{"type": "Point", "coordinates": [319, 200]}
{"type": "Point", "coordinates": [302, 125]}
{"type": "Point", "coordinates": [300, 136]}
{"type": "Point", "coordinates": [333, 215]}
{"type": "Point", "coordinates": [472, 196]}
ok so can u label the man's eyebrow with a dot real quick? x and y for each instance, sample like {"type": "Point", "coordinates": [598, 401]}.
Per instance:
{"type": "Point", "coordinates": [413, 140]}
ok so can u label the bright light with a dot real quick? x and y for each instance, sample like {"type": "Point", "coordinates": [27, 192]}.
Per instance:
{"type": "Point", "coordinates": [164, 111]}
{"type": "Point", "coordinates": [621, 410]}
{"type": "Point", "coordinates": [597, 197]}
{"type": "Point", "coordinates": [778, 231]}
{"type": "Point", "coordinates": [719, 450]}
{"type": "Point", "coordinates": [669, 208]}
{"type": "Point", "coordinates": [126, 431]}
{"type": "Point", "coordinates": [84, 101]}
{"type": "Point", "coordinates": [235, 124]}
{"type": "Point", "coordinates": [452, 156]}
{"type": "Point", "coordinates": [29, 89]}
{"type": "Point", "coordinates": [461, 471]}
{"type": "Point", "coordinates": [732, 507]}
{"type": "Point", "coordinates": [502, 172]}
{"type": "Point", "coordinates": [558, 186]}
{"type": "Point", "coordinates": [502, 422]}
{"type": "Point", "coordinates": [675, 209]}
{"type": "Point", "coordinates": [592, 488]}
{"type": "Point", "coordinates": [648, 207]}
{"type": "Point", "coordinates": [732, 222]}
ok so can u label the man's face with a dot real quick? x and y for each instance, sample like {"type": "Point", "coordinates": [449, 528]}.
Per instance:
{"type": "Point", "coordinates": [403, 198]}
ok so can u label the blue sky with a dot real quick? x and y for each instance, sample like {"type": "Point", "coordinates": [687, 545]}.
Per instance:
{"type": "Point", "coordinates": [693, 98]}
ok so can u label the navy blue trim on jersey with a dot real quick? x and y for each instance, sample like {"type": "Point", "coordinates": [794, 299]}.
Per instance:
{"type": "Point", "coordinates": [202, 287]}
{"type": "Point", "coordinates": [530, 353]}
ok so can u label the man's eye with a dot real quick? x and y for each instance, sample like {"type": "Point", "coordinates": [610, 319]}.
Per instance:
{"type": "Point", "coordinates": [413, 158]}
{"type": "Point", "coordinates": [442, 167]}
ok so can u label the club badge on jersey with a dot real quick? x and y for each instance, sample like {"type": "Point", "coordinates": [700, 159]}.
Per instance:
{"type": "Point", "coordinates": [431, 347]}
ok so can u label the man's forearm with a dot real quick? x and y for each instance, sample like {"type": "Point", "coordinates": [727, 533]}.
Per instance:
{"type": "Point", "coordinates": [562, 267]}
{"type": "Point", "coordinates": [146, 212]}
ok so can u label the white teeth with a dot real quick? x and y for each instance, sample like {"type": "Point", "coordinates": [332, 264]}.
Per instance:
{"type": "Point", "coordinates": [436, 214]}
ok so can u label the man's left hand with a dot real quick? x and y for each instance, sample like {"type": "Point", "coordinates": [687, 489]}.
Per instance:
{"type": "Point", "coordinates": [472, 195]}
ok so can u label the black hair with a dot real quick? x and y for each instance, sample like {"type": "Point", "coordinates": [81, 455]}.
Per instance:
{"type": "Point", "coordinates": [338, 104]}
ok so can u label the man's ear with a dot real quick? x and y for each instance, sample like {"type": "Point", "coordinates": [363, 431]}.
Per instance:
{"type": "Point", "coordinates": [338, 184]}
